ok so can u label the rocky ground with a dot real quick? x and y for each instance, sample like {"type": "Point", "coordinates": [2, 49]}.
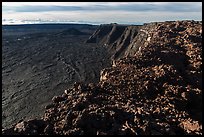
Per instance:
{"type": "Point", "coordinates": [157, 91]}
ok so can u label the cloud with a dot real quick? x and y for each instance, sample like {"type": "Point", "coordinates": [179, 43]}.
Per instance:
{"type": "Point", "coordinates": [107, 16]}
{"type": "Point", "coordinates": [102, 6]}
{"type": "Point", "coordinates": [103, 12]}
{"type": "Point", "coordinates": [42, 8]}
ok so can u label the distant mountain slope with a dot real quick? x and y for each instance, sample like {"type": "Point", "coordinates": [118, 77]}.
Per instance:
{"type": "Point", "coordinates": [46, 26]}
{"type": "Point", "coordinates": [71, 31]}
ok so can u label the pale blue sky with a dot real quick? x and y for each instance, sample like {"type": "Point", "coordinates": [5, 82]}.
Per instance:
{"type": "Point", "coordinates": [102, 12]}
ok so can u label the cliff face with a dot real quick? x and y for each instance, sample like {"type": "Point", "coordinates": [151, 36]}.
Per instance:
{"type": "Point", "coordinates": [115, 37]}
{"type": "Point", "coordinates": [106, 34]}
{"type": "Point", "coordinates": [155, 89]}
{"type": "Point", "coordinates": [122, 40]}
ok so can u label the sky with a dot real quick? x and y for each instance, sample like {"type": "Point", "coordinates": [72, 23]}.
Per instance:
{"type": "Point", "coordinates": [100, 12]}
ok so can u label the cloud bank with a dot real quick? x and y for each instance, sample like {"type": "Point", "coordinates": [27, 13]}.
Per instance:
{"type": "Point", "coordinates": [103, 12]}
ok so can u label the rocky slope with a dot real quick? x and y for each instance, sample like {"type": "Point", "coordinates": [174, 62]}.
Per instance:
{"type": "Point", "coordinates": [155, 89]}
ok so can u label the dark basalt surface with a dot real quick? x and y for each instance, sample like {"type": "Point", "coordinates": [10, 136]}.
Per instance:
{"type": "Point", "coordinates": [36, 65]}
{"type": "Point", "coordinates": [155, 91]}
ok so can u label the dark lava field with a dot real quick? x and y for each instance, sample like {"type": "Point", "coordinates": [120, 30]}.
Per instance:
{"type": "Point", "coordinates": [40, 61]}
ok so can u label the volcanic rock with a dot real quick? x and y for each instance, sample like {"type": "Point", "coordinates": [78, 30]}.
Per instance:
{"type": "Point", "coordinates": [152, 91]}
